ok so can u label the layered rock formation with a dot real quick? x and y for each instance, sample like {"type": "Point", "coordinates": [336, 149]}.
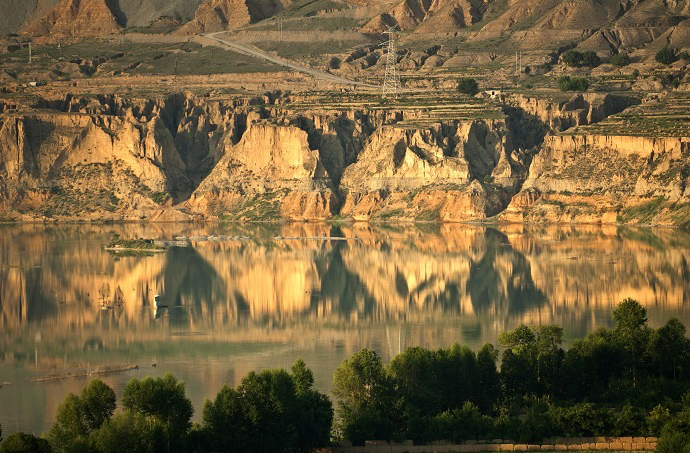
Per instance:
{"type": "Point", "coordinates": [218, 15]}
{"type": "Point", "coordinates": [267, 158]}
{"type": "Point", "coordinates": [427, 174]}
{"type": "Point", "coordinates": [70, 18]}
{"type": "Point", "coordinates": [436, 16]}
{"type": "Point", "coordinates": [270, 173]}
{"type": "Point", "coordinates": [609, 179]}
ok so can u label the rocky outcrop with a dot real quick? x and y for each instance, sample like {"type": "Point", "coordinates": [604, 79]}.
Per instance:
{"type": "Point", "coordinates": [581, 109]}
{"type": "Point", "coordinates": [67, 166]}
{"type": "Point", "coordinates": [429, 174]}
{"type": "Point", "coordinates": [70, 18]}
{"type": "Point", "coordinates": [268, 158]}
{"type": "Point", "coordinates": [607, 179]}
{"type": "Point", "coordinates": [270, 173]}
{"type": "Point", "coordinates": [436, 15]}
{"type": "Point", "coordinates": [219, 15]}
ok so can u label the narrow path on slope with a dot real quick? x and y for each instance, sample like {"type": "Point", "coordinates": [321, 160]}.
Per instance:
{"type": "Point", "coordinates": [248, 50]}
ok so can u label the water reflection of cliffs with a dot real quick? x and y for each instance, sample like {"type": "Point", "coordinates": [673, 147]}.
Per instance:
{"type": "Point", "coordinates": [58, 277]}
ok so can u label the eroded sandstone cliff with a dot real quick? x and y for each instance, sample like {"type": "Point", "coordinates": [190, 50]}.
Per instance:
{"type": "Point", "coordinates": [273, 157]}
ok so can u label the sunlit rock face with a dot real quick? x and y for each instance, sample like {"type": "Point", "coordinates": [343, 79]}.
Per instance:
{"type": "Point", "coordinates": [275, 165]}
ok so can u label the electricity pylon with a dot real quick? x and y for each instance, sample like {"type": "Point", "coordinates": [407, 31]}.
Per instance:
{"type": "Point", "coordinates": [391, 80]}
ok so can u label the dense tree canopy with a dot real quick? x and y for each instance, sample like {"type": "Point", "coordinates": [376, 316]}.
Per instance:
{"type": "Point", "coordinates": [270, 411]}
{"type": "Point", "coordinates": [162, 399]}
{"type": "Point", "coordinates": [615, 381]}
{"type": "Point", "coordinates": [78, 416]}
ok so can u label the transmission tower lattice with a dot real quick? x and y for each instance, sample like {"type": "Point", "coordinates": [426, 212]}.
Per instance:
{"type": "Point", "coordinates": [391, 80]}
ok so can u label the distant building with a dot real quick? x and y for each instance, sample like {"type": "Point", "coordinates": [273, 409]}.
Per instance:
{"type": "Point", "coordinates": [493, 94]}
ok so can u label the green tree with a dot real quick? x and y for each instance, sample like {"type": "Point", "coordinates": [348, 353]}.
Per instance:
{"type": "Point", "coordinates": [669, 349]}
{"type": "Point", "coordinates": [521, 341]}
{"type": "Point", "coordinates": [302, 376]}
{"type": "Point", "coordinates": [224, 422]}
{"type": "Point", "coordinates": [314, 418]}
{"type": "Point", "coordinates": [456, 369]}
{"type": "Point", "coordinates": [591, 59]}
{"type": "Point", "coordinates": [549, 338]}
{"type": "Point", "coordinates": [24, 443]}
{"type": "Point", "coordinates": [97, 404]}
{"type": "Point", "coordinates": [567, 83]}
{"type": "Point", "coordinates": [269, 403]}
{"type": "Point", "coordinates": [467, 85]}
{"type": "Point", "coordinates": [488, 384]}
{"type": "Point", "coordinates": [162, 399]}
{"type": "Point", "coordinates": [365, 397]}
{"type": "Point", "coordinates": [416, 381]}
{"type": "Point", "coordinates": [601, 356]}
{"type": "Point", "coordinates": [631, 332]}
{"type": "Point", "coordinates": [130, 432]}
{"type": "Point", "coordinates": [657, 419]}
{"type": "Point", "coordinates": [620, 59]}
{"type": "Point", "coordinates": [572, 58]}
{"type": "Point", "coordinates": [77, 416]}
{"type": "Point", "coordinates": [667, 55]}
{"type": "Point", "coordinates": [270, 411]}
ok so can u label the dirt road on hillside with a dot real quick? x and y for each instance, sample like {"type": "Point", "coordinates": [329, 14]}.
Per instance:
{"type": "Point", "coordinates": [254, 52]}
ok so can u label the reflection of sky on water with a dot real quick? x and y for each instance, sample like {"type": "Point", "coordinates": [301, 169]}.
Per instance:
{"type": "Point", "coordinates": [234, 306]}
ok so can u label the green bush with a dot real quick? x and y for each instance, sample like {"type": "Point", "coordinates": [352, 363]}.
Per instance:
{"type": "Point", "coordinates": [24, 443]}
{"type": "Point", "coordinates": [567, 83]}
{"type": "Point", "coordinates": [468, 85]}
{"type": "Point", "coordinates": [591, 59]}
{"type": "Point", "coordinates": [572, 58]}
{"type": "Point", "coordinates": [620, 59]}
{"type": "Point", "coordinates": [673, 442]}
{"type": "Point", "coordinates": [684, 55]}
{"type": "Point", "coordinates": [667, 55]}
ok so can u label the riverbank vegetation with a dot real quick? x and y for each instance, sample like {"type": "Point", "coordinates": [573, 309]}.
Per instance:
{"type": "Point", "coordinates": [630, 380]}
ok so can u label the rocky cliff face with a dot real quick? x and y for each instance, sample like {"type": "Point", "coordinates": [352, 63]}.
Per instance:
{"type": "Point", "coordinates": [609, 179]}
{"type": "Point", "coordinates": [436, 15]}
{"type": "Point", "coordinates": [76, 18]}
{"type": "Point", "coordinates": [268, 158]}
{"type": "Point", "coordinates": [218, 15]}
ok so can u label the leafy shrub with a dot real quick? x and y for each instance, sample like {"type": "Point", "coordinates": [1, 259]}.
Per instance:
{"type": "Point", "coordinates": [567, 83]}
{"type": "Point", "coordinates": [25, 443]}
{"type": "Point", "coordinates": [591, 59]}
{"type": "Point", "coordinates": [620, 59]}
{"type": "Point", "coordinates": [684, 55]}
{"type": "Point", "coordinates": [673, 442]}
{"type": "Point", "coordinates": [468, 85]}
{"type": "Point", "coordinates": [572, 58]}
{"type": "Point", "coordinates": [667, 55]}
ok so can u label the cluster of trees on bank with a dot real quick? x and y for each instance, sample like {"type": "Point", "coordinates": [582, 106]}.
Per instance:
{"type": "Point", "coordinates": [631, 380]}
{"type": "Point", "coordinates": [274, 410]}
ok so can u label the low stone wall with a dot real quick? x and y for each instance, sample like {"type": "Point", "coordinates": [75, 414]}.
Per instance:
{"type": "Point", "coordinates": [559, 444]}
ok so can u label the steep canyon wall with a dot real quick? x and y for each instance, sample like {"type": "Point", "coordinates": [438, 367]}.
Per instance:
{"type": "Point", "coordinates": [269, 158]}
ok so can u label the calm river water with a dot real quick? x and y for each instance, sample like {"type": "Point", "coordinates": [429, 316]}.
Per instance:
{"type": "Point", "coordinates": [242, 305]}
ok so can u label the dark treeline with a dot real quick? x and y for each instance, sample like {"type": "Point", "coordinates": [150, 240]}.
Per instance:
{"type": "Point", "coordinates": [631, 380]}
{"type": "Point", "coordinates": [625, 381]}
